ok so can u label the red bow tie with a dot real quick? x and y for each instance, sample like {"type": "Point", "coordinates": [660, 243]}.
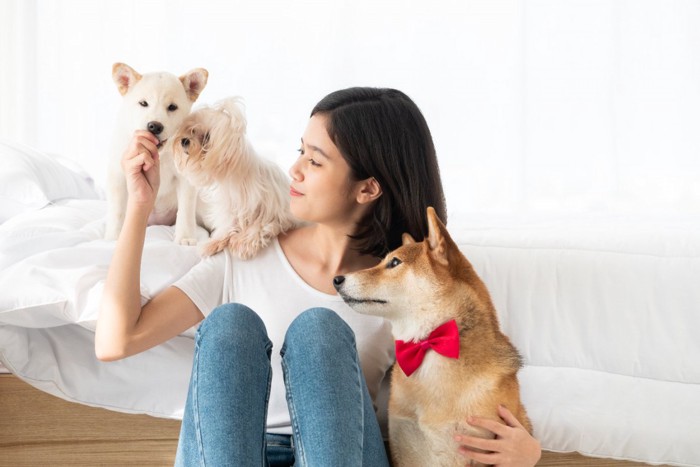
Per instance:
{"type": "Point", "coordinates": [444, 340]}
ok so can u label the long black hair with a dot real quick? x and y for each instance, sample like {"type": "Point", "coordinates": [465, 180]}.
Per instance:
{"type": "Point", "coordinates": [382, 133]}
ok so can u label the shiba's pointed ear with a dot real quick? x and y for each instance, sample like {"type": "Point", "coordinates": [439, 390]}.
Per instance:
{"type": "Point", "coordinates": [406, 239]}
{"type": "Point", "coordinates": [124, 76]}
{"type": "Point", "coordinates": [436, 237]}
{"type": "Point", "coordinates": [194, 82]}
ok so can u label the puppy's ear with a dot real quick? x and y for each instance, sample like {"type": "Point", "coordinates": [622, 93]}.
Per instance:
{"type": "Point", "coordinates": [230, 105]}
{"type": "Point", "coordinates": [124, 76]}
{"type": "Point", "coordinates": [194, 81]}
{"type": "Point", "coordinates": [234, 108]}
{"type": "Point", "coordinates": [437, 238]}
{"type": "Point", "coordinates": [406, 239]}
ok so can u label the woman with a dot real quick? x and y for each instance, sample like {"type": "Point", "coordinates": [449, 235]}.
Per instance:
{"type": "Point", "coordinates": [366, 172]}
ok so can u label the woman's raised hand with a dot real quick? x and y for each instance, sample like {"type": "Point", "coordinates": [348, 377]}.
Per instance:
{"type": "Point", "coordinates": [141, 166]}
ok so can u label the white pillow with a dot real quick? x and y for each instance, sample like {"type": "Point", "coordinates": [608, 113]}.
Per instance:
{"type": "Point", "coordinates": [30, 179]}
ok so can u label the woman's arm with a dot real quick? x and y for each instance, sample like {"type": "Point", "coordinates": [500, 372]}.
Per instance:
{"type": "Point", "coordinates": [123, 327]}
{"type": "Point", "coordinates": [513, 446]}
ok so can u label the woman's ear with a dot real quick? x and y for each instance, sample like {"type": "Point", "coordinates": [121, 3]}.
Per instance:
{"type": "Point", "coordinates": [369, 191]}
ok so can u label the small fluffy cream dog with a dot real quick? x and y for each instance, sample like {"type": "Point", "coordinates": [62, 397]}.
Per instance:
{"type": "Point", "coordinates": [157, 102]}
{"type": "Point", "coordinates": [247, 196]}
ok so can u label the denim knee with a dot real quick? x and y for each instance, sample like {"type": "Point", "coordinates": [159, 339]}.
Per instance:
{"type": "Point", "coordinates": [231, 323]}
{"type": "Point", "coordinates": [320, 326]}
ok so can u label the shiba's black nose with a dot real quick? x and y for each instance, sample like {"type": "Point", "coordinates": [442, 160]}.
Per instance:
{"type": "Point", "coordinates": [155, 127]}
{"type": "Point", "coordinates": [338, 281]}
{"type": "Point", "coordinates": [185, 142]}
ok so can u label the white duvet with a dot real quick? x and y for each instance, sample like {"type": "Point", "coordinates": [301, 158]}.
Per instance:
{"type": "Point", "coordinates": [54, 263]}
{"type": "Point", "coordinates": [606, 313]}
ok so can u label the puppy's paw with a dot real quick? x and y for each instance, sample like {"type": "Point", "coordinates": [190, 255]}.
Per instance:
{"type": "Point", "coordinates": [248, 248]}
{"type": "Point", "coordinates": [214, 246]}
{"type": "Point", "coordinates": [244, 249]}
{"type": "Point", "coordinates": [112, 230]}
{"type": "Point", "coordinates": [185, 235]}
{"type": "Point", "coordinates": [111, 235]}
{"type": "Point", "coordinates": [187, 241]}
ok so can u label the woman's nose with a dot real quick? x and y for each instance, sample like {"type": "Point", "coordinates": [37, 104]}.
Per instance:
{"type": "Point", "coordinates": [295, 172]}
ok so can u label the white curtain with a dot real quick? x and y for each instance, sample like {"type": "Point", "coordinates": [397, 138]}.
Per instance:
{"type": "Point", "coordinates": [537, 107]}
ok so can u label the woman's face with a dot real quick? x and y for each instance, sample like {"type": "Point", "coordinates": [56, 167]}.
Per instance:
{"type": "Point", "coordinates": [322, 190]}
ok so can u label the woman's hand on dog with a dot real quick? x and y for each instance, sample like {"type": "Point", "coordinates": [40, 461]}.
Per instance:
{"type": "Point", "coordinates": [141, 166]}
{"type": "Point", "coordinates": [512, 446]}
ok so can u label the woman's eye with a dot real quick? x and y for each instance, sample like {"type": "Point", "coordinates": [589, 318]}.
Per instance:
{"type": "Point", "coordinates": [393, 263]}
{"type": "Point", "coordinates": [172, 108]}
{"type": "Point", "coordinates": [143, 103]}
{"type": "Point", "coordinates": [300, 151]}
{"type": "Point", "coordinates": [314, 163]}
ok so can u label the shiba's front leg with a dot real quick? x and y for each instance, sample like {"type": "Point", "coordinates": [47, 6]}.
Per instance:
{"type": "Point", "coordinates": [408, 444]}
{"type": "Point", "coordinates": [416, 444]}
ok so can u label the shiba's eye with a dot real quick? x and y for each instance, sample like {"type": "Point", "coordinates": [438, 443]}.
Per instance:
{"type": "Point", "coordinates": [143, 103]}
{"type": "Point", "coordinates": [172, 108]}
{"type": "Point", "coordinates": [393, 263]}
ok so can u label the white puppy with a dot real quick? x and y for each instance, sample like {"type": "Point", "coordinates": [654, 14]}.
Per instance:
{"type": "Point", "coordinates": [247, 196]}
{"type": "Point", "coordinates": [157, 102]}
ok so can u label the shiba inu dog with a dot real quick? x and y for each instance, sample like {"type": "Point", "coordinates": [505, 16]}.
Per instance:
{"type": "Point", "coordinates": [454, 362]}
{"type": "Point", "coordinates": [157, 102]}
{"type": "Point", "coordinates": [246, 195]}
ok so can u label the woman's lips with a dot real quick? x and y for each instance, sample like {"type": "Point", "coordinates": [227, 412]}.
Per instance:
{"type": "Point", "coordinates": [293, 192]}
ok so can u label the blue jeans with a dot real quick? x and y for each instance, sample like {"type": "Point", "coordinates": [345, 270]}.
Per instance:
{"type": "Point", "coordinates": [333, 420]}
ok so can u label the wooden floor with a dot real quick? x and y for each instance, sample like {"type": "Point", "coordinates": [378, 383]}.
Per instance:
{"type": "Point", "coordinates": [37, 429]}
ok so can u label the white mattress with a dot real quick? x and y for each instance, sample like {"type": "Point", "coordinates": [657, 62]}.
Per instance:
{"type": "Point", "coordinates": [606, 312]}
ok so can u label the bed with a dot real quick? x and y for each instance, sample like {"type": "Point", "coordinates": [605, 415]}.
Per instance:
{"type": "Point", "coordinates": [605, 311]}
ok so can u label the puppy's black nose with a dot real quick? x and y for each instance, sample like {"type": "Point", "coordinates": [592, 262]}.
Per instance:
{"type": "Point", "coordinates": [155, 127]}
{"type": "Point", "coordinates": [338, 281]}
{"type": "Point", "coordinates": [185, 142]}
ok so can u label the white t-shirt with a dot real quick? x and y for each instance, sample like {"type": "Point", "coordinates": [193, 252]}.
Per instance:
{"type": "Point", "coordinates": [269, 286]}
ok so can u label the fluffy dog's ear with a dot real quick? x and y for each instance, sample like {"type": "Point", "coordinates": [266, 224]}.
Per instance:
{"type": "Point", "coordinates": [235, 109]}
{"type": "Point", "coordinates": [406, 239]}
{"type": "Point", "coordinates": [437, 237]}
{"type": "Point", "coordinates": [124, 76]}
{"type": "Point", "coordinates": [194, 81]}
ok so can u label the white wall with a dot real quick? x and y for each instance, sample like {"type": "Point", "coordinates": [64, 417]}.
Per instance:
{"type": "Point", "coordinates": [537, 107]}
